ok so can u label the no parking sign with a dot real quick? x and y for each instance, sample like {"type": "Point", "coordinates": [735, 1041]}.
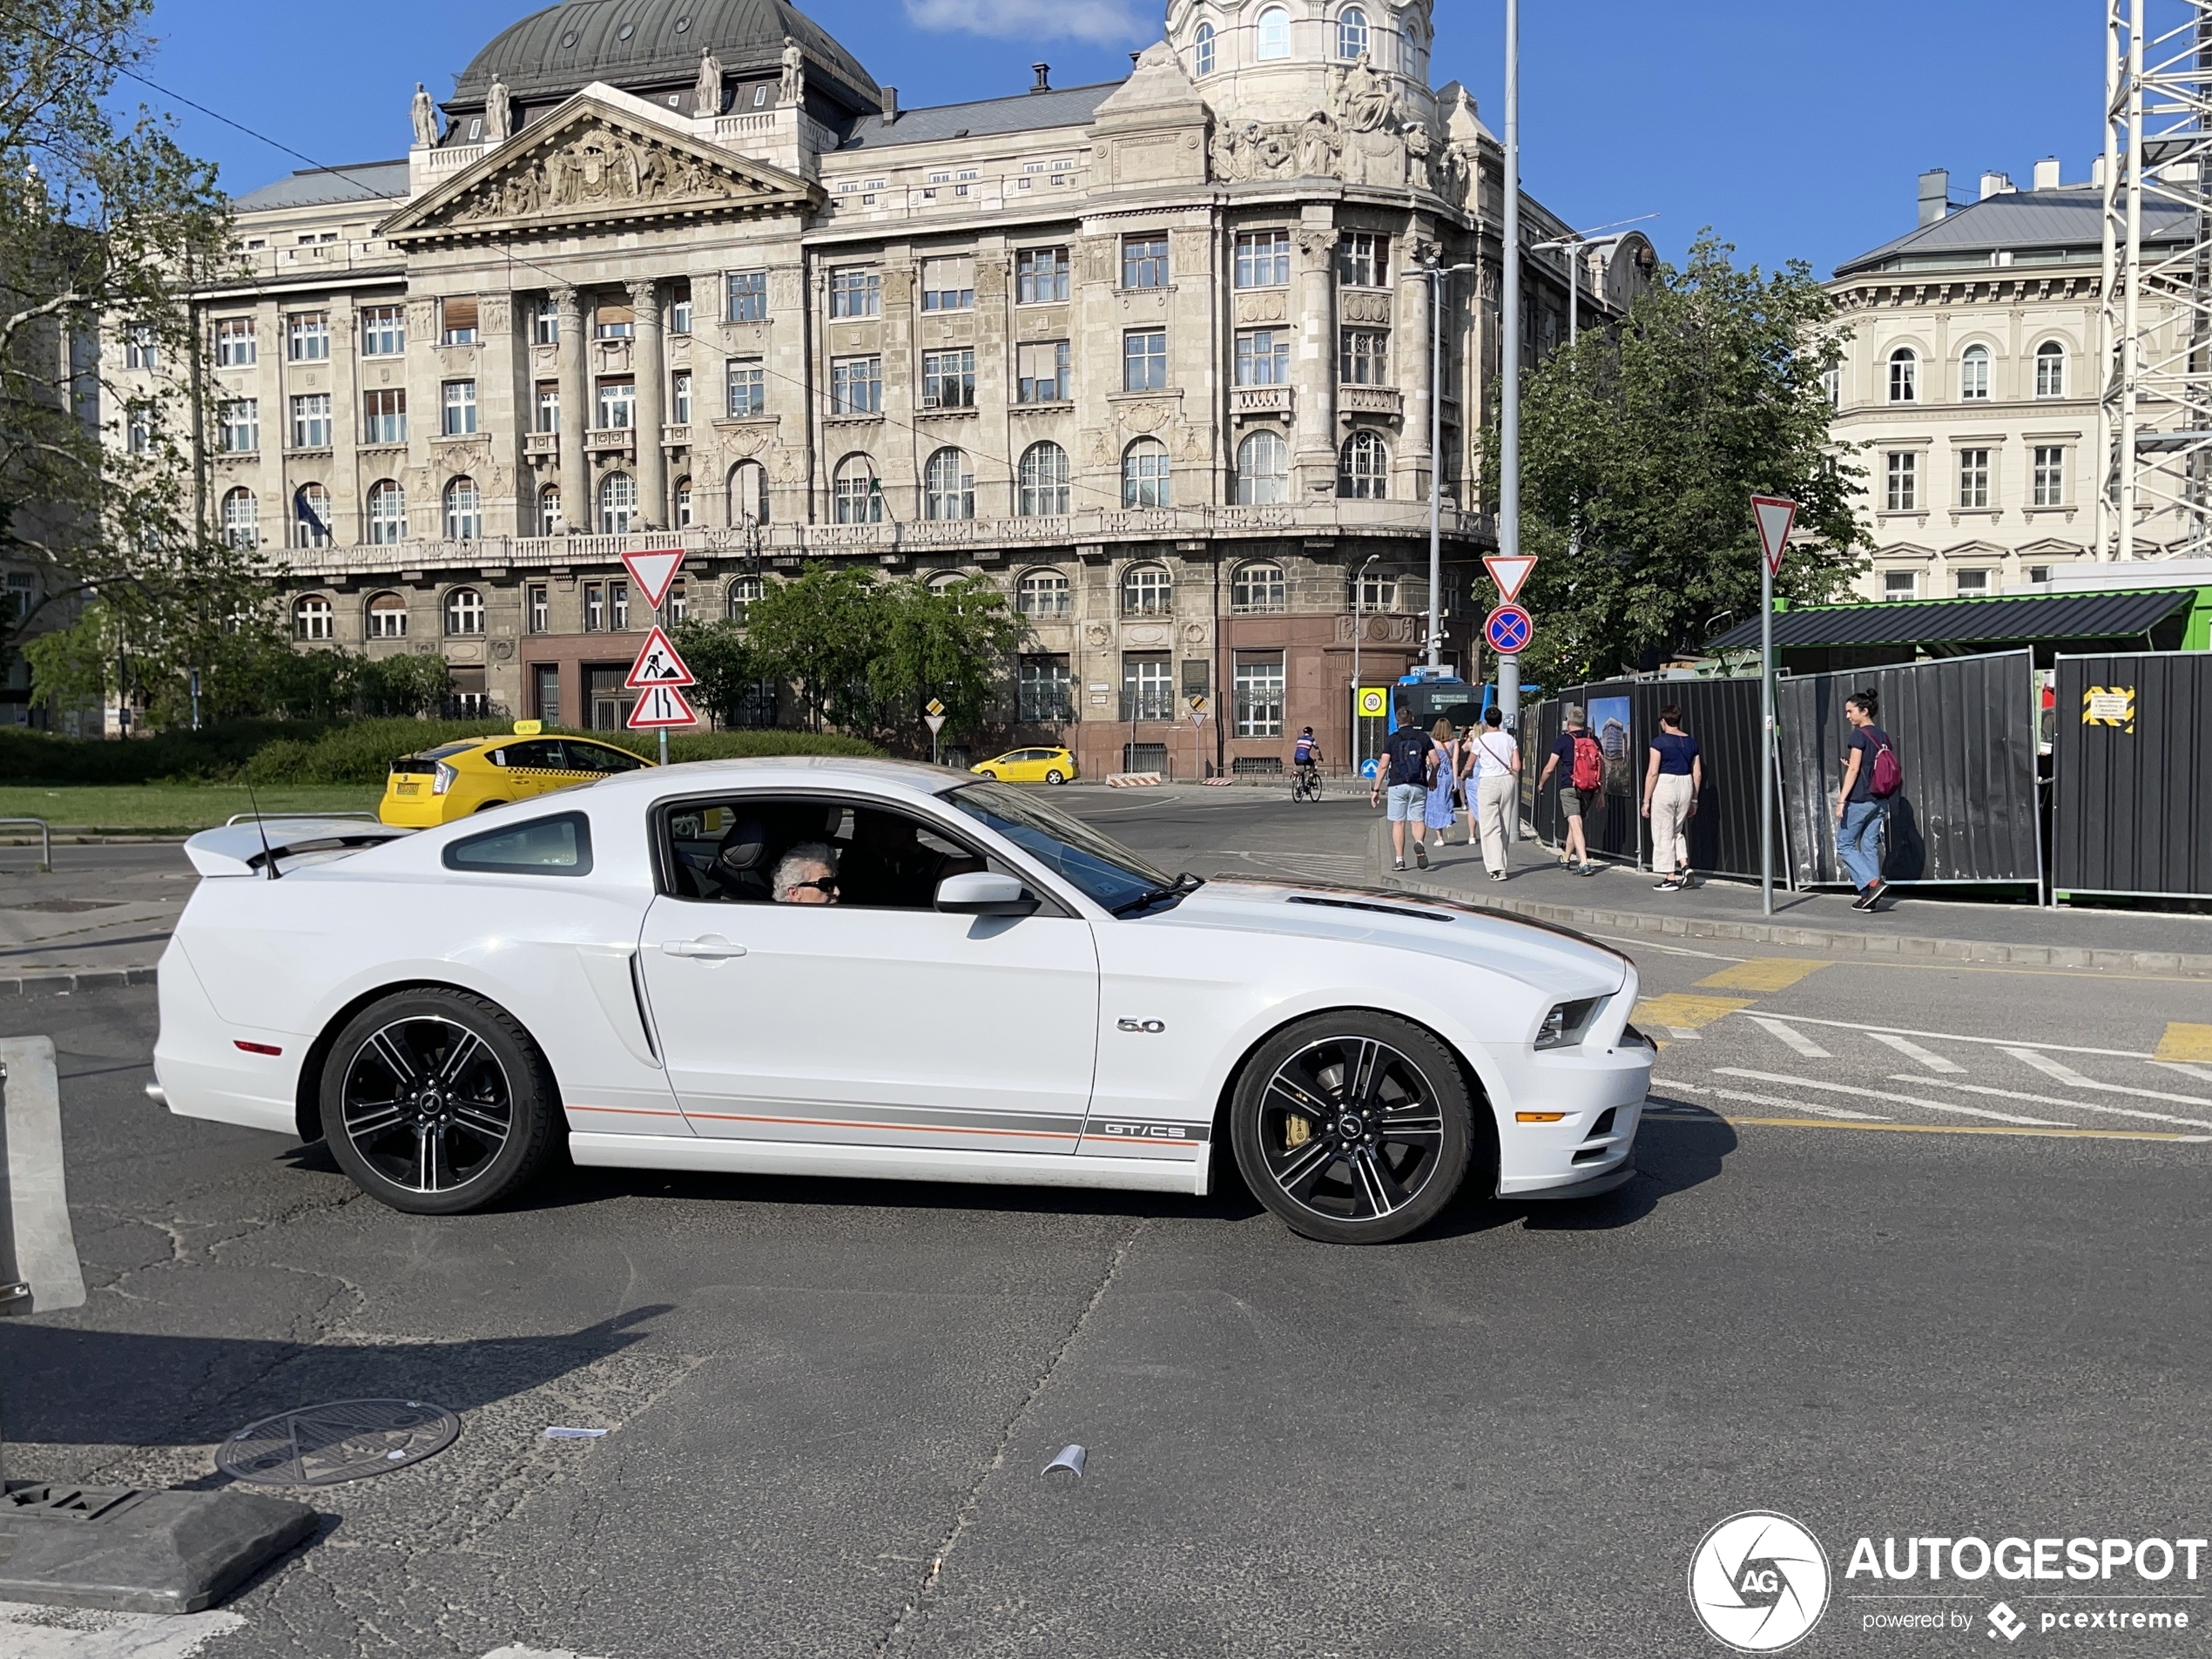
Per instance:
{"type": "Point", "coordinates": [1509, 630]}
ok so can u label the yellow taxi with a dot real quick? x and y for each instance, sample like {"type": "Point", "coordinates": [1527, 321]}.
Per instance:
{"type": "Point", "coordinates": [1028, 766]}
{"type": "Point", "coordinates": [455, 779]}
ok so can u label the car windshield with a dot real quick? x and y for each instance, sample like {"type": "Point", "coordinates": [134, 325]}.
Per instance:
{"type": "Point", "coordinates": [1106, 871]}
{"type": "Point", "coordinates": [444, 749]}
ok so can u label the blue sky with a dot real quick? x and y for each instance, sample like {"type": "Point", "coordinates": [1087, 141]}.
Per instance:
{"type": "Point", "coordinates": [1796, 128]}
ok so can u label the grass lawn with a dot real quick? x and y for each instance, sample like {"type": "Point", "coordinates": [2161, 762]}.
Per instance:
{"type": "Point", "coordinates": [170, 808]}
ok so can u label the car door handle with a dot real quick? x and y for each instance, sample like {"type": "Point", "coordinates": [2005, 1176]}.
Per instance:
{"type": "Point", "coordinates": [712, 948]}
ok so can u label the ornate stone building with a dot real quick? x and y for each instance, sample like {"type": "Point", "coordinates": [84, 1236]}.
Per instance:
{"type": "Point", "coordinates": [1154, 355]}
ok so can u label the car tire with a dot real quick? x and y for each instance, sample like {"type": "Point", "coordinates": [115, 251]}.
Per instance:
{"type": "Point", "coordinates": [1056, 776]}
{"type": "Point", "coordinates": [437, 1103]}
{"type": "Point", "coordinates": [1353, 1127]}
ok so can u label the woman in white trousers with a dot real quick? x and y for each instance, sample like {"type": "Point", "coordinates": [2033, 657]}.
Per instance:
{"type": "Point", "coordinates": [1497, 790]}
{"type": "Point", "coordinates": [1671, 784]}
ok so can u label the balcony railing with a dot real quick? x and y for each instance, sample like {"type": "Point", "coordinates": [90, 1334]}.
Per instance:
{"type": "Point", "coordinates": [1385, 400]}
{"type": "Point", "coordinates": [613, 437]}
{"type": "Point", "coordinates": [1148, 705]}
{"type": "Point", "coordinates": [1260, 400]}
{"type": "Point", "coordinates": [541, 443]}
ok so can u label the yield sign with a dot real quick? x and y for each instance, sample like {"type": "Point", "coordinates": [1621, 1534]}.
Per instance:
{"type": "Point", "coordinates": [664, 705]}
{"type": "Point", "coordinates": [653, 573]}
{"type": "Point", "coordinates": [657, 665]}
{"type": "Point", "coordinates": [1775, 517]}
{"type": "Point", "coordinates": [1510, 573]}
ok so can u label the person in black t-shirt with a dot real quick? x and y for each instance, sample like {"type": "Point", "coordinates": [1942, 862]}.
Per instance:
{"type": "Point", "coordinates": [1406, 766]}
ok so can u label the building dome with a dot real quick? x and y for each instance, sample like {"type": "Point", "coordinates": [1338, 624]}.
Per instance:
{"type": "Point", "coordinates": [647, 45]}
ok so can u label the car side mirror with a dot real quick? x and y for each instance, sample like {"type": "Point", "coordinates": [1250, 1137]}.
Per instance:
{"type": "Point", "coordinates": [983, 893]}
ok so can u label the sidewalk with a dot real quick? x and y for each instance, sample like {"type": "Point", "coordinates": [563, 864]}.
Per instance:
{"type": "Point", "coordinates": [1620, 900]}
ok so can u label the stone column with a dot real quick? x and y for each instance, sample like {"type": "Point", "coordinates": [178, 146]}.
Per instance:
{"type": "Point", "coordinates": [651, 358]}
{"type": "Point", "coordinates": [1411, 345]}
{"type": "Point", "coordinates": [576, 413]}
{"type": "Point", "coordinates": [1313, 371]}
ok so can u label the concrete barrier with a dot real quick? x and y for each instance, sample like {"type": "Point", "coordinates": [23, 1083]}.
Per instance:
{"type": "Point", "coordinates": [1135, 780]}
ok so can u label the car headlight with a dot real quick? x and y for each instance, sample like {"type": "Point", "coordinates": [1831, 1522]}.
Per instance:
{"type": "Point", "coordinates": [444, 780]}
{"type": "Point", "coordinates": [1564, 1026]}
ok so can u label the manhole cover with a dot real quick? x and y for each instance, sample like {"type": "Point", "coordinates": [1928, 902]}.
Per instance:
{"type": "Point", "coordinates": [347, 1439]}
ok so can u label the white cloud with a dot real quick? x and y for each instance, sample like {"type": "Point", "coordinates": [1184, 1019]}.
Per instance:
{"type": "Point", "coordinates": [1105, 21]}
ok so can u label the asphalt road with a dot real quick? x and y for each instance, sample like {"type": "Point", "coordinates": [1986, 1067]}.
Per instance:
{"type": "Point", "coordinates": [1851, 1286]}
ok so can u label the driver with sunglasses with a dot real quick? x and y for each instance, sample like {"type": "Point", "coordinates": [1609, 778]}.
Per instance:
{"type": "Point", "coordinates": [807, 874]}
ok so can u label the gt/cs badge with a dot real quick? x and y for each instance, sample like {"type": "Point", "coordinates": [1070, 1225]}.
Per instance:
{"type": "Point", "coordinates": [1150, 1028]}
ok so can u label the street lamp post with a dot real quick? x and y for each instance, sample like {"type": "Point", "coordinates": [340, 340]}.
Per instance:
{"type": "Point", "coordinates": [1438, 276]}
{"type": "Point", "coordinates": [1359, 626]}
{"type": "Point", "coordinates": [1509, 398]}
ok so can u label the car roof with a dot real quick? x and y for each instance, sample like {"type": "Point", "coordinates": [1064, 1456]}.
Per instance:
{"type": "Point", "coordinates": [910, 778]}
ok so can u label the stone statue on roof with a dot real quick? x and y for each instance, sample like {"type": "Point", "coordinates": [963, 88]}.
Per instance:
{"type": "Point", "coordinates": [707, 92]}
{"type": "Point", "coordinates": [793, 87]}
{"type": "Point", "coordinates": [499, 113]}
{"type": "Point", "coordinates": [425, 114]}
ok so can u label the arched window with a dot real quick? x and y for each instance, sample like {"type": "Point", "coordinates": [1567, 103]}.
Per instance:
{"type": "Point", "coordinates": [1202, 52]}
{"type": "Point", "coordinates": [312, 618]}
{"type": "Point", "coordinates": [1041, 593]}
{"type": "Point", "coordinates": [946, 581]}
{"type": "Point", "coordinates": [1044, 481]}
{"type": "Point", "coordinates": [1274, 30]}
{"type": "Point", "coordinates": [1145, 480]}
{"type": "Point", "coordinates": [1147, 591]}
{"type": "Point", "coordinates": [736, 604]}
{"type": "Point", "coordinates": [387, 513]}
{"type": "Point", "coordinates": [549, 522]}
{"type": "Point", "coordinates": [1259, 588]}
{"type": "Point", "coordinates": [1263, 470]}
{"type": "Point", "coordinates": [1904, 375]}
{"type": "Point", "coordinates": [749, 494]}
{"type": "Point", "coordinates": [1351, 32]}
{"type": "Point", "coordinates": [857, 498]}
{"type": "Point", "coordinates": [683, 503]}
{"type": "Point", "coordinates": [241, 519]}
{"type": "Point", "coordinates": [386, 617]}
{"type": "Point", "coordinates": [464, 611]}
{"type": "Point", "coordinates": [2050, 369]}
{"type": "Point", "coordinates": [949, 486]}
{"type": "Point", "coordinates": [618, 503]}
{"type": "Point", "coordinates": [464, 511]}
{"type": "Point", "coordinates": [310, 517]}
{"type": "Point", "coordinates": [1363, 468]}
{"type": "Point", "coordinates": [1973, 375]}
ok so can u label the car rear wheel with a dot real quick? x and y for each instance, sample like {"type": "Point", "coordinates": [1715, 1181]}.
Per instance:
{"type": "Point", "coordinates": [1355, 1127]}
{"type": "Point", "coordinates": [437, 1103]}
{"type": "Point", "coordinates": [1056, 776]}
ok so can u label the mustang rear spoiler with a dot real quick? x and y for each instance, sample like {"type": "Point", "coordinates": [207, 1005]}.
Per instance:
{"type": "Point", "coordinates": [245, 849]}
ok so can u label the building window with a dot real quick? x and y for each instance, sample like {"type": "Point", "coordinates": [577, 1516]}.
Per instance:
{"type": "Point", "coordinates": [312, 619]}
{"type": "Point", "coordinates": [1148, 687]}
{"type": "Point", "coordinates": [549, 522]}
{"type": "Point", "coordinates": [464, 511]}
{"type": "Point", "coordinates": [680, 398]}
{"type": "Point", "coordinates": [1263, 470]}
{"type": "Point", "coordinates": [857, 497]}
{"type": "Point", "coordinates": [239, 426]}
{"type": "Point", "coordinates": [138, 429]}
{"type": "Point", "coordinates": [1274, 32]}
{"type": "Point", "coordinates": [1144, 260]}
{"type": "Point", "coordinates": [1973, 375]}
{"type": "Point", "coordinates": [1973, 478]}
{"type": "Point", "coordinates": [617, 404]}
{"type": "Point", "coordinates": [241, 519]}
{"type": "Point", "coordinates": [1045, 691]}
{"type": "Point", "coordinates": [234, 346]}
{"type": "Point", "coordinates": [1352, 33]}
{"type": "Point", "coordinates": [743, 592]}
{"type": "Point", "coordinates": [1039, 275]}
{"type": "Point", "coordinates": [1363, 260]}
{"type": "Point", "coordinates": [310, 517]}
{"type": "Point", "coordinates": [461, 408]}
{"type": "Point", "coordinates": [856, 290]}
{"type": "Point", "coordinates": [1259, 697]}
{"type": "Point", "coordinates": [1042, 593]}
{"type": "Point", "coordinates": [683, 503]}
{"type": "Point", "coordinates": [388, 617]}
{"type": "Point", "coordinates": [612, 321]}
{"type": "Point", "coordinates": [460, 319]}
{"type": "Point", "coordinates": [618, 606]}
{"type": "Point", "coordinates": [383, 331]}
{"type": "Point", "coordinates": [1203, 49]}
{"type": "Point", "coordinates": [464, 611]}
{"type": "Point", "coordinates": [2050, 476]}
{"type": "Point", "coordinates": [1147, 591]}
{"type": "Point", "coordinates": [537, 608]}
{"type": "Point", "coordinates": [748, 494]}
{"type": "Point", "coordinates": [1832, 385]}
{"type": "Point", "coordinates": [308, 337]}
{"type": "Point", "coordinates": [949, 379]}
{"type": "Point", "coordinates": [1264, 357]}
{"type": "Point", "coordinates": [384, 417]}
{"type": "Point", "coordinates": [311, 421]}
{"type": "Point", "coordinates": [1042, 373]}
{"type": "Point", "coordinates": [1374, 593]}
{"type": "Point", "coordinates": [1144, 359]}
{"type": "Point", "coordinates": [1905, 376]}
{"type": "Point", "coordinates": [1145, 475]}
{"type": "Point", "coordinates": [387, 513]}
{"type": "Point", "coordinates": [546, 689]}
{"type": "Point", "coordinates": [1043, 482]}
{"type": "Point", "coordinates": [2050, 369]}
{"type": "Point", "coordinates": [1971, 584]}
{"type": "Point", "coordinates": [949, 486]}
{"type": "Point", "coordinates": [747, 389]}
{"type": "Point", "coordinates": [748, 295]}
{"type": "Point", "coordinates": [618, 503]}
{"type": "Point", "coordinates": [548, 405]}
{"type": "Point", "coordinates": [1264, 259]}
{"type": "Point", "coordinates": [1904, 481]}
{"type": "Point", "coordinates": [1363, 468]}
{"type": "Point", "coordinates": [679, 309]}
{"type": "Point", "coordinates": [1365, 357]}
{"type": "Point", "coordinates": [141, 349]}
{"type": "Point", "coordinates": [856, 386]}
{"type": "Point", "coordinates": [1900, 584]}
{"type": "Point", "coordinates": [948, 285]}
{"type": "Point", "coordinates": [1257, 589]}
{"type": "Point", "coordinates": [595, 607]}
{"type": "Point", "coordinates": [545, 323]}
{"type": "Point", "coordinates": [2039, 573]}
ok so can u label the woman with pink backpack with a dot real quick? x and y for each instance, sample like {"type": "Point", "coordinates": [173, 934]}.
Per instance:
{"type": "Point", "coordinates": [1872, 775]}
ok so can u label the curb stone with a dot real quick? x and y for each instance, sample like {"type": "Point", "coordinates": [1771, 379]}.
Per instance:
{"type": "Point", "coordinates": [88, 978]}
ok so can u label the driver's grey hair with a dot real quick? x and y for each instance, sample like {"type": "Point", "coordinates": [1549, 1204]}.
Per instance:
{"type": "Point", "coordinates": [799, 865]}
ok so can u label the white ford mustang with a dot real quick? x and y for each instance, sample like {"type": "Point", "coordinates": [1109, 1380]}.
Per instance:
{"type": "Point", "coordinates": [856, 967]}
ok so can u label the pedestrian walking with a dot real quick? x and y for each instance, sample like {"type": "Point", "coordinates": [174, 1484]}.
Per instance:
{"type": "Point", "coordinates": [1577, 755]}
{"type": "Point", "coordinates": [1497, 790]}
{"type": "Point", "coordinates": [1671, 783]}
{"type": "Point", "coordinates": [1872, 775]}
{"type": "Point", "coordinates": [1443, 804]}
{"type": "Point", "coordinates": [1407, 764]}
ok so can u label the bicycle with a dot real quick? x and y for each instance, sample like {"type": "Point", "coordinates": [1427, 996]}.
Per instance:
{"type": "Point", "coordinates": [1307, 784]}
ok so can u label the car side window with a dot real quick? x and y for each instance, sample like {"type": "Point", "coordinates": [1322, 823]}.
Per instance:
{"type": "Point", "coordinates": [726, 851]}
{"type": "Point", "coordinates": [541, 754]}
{"type": "Point", "coordinates": [556, 846]}
{"type": "Point", "coordinates": [597, 757]}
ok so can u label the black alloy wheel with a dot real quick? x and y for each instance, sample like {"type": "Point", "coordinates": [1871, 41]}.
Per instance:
{"type": "Point", "coordinates": [1355, 1128]}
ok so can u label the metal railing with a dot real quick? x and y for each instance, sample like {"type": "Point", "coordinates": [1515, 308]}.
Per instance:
{"type": "Point", "coordinates": [45, 840]}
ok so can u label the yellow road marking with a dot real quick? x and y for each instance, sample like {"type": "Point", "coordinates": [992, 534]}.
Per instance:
{"type": "Point", "coordinates": [1761, 974]}
{"type": "Point", "coordinates": [2184, 1041]}
{"type": "Point", "coordinates": [1681, 1009]}
{"type": "Point", "coordinates": [1977, 1128]}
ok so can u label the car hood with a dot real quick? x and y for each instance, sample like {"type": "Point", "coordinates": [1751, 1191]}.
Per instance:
{"type": "Point", "coordinates": [1538, 954]}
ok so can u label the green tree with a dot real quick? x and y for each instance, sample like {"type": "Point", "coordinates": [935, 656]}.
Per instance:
{"type": "Point", "coordinates": [725, 665]}
{"type": "Point", "coordinates": [1649, 440]}
{"type": "Point", "coordinates": [952, 643]}
{"type": "Point", "coordinates": [821, 632]}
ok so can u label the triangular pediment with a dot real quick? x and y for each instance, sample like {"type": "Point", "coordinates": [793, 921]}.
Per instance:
{"type": "Point", "coordinates": [593, 162]}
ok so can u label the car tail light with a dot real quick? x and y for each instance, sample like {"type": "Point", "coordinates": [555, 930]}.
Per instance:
{"type": "Point", "coordinates": [444, 779]}
{"type": "Point", "coordinates": [255, 1047]}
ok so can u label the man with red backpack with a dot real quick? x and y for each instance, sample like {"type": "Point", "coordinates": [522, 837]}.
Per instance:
{"type": "Point", "coordinates": [1873, 776]}
{"type": "Point", "coordinates": [1579, 789]}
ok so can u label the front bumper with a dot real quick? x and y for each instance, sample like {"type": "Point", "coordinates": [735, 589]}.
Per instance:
{"type": "Point", "coordinates": [1598, 1097]}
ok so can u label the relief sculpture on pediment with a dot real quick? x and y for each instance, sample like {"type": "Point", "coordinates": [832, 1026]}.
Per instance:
{"type": "Point", "coordinates": [596, 169]}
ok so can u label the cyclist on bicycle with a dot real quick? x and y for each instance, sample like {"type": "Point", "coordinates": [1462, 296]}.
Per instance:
{"type": "Point", "coordinates": [1305, 755]}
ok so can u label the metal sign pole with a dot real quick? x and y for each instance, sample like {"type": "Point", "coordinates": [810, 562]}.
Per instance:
{"type": "Point", "coordinates": [1766, 737]}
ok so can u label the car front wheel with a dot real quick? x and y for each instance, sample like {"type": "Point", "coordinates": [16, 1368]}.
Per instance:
{"type": "Point", "coordinates": [437, 1103]}
{"type": "Point", "coordinates": [1056, 776]}
{"type": "Point", "coordinates": [1355, 1127]}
